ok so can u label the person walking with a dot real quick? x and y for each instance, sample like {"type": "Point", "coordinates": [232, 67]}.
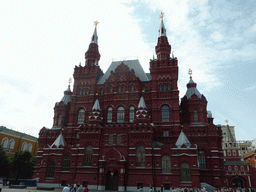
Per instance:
{"type": "Point", "coordinates": [79, 188]}
{"type": "Point", "coordinates": [66, 189]}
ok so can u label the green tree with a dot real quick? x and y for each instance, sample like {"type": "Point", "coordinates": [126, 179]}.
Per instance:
{"type": "Point", "coordinates": [23, 165]}
{"type": "Point", "coordinates": [5, 166]}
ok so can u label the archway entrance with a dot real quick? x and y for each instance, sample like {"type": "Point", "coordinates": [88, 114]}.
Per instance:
{"type": "Point", "coordinates": [237, 182]}
{"type": "Point", "coordinates": [111, 181]}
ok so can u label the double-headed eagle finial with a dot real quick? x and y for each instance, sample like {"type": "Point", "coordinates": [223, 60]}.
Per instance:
{"type": "Point", "coordinates": [96, 23]}
{"type": "Point", "coordinates": [190, 72]}
{"type": "Point", "coordinates": [161, 15]}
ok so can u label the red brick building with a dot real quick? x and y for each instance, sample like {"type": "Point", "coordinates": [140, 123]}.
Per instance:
{"type": "Point", "coordinates": [125, 128]}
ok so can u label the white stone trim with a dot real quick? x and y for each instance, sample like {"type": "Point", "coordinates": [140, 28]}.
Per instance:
{"type": "Point", "coordinates": [183, 154]}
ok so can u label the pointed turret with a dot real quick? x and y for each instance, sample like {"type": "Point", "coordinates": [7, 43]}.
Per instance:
{"type": "Point", "coordinates": [95, 116]}
{"type": "Point", "coordinates": [141, 114]}
{"type": "Point", "coordinates": [182, 140]}
{"type": "Point", "coordinates": [92, 55]}
{"type": "Point", "coordinates": [59, 142]}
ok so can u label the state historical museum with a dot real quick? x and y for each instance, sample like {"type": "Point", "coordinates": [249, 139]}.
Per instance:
{"type": "Point", "coordinates": [125, 128]}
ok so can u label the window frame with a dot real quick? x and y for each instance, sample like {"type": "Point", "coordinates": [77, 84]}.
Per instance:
{"type": "Point", "coordinates": [120, 116]}
{"type": "Point", "coordinates": [165, 114]}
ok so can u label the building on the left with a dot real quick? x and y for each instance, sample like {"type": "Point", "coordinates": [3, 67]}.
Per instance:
{"type": "Point", "coordinates": [13, 141]}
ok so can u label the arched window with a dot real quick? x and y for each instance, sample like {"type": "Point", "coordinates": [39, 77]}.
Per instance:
{"type": "Point", "coordinates": [132, 88]}
{"type": "Point", "coordinates": [110, 139]}
{"type": "Point", "coordinates": [109, 119]}
{"type": "Point", "coordinates": [131, 114]}
{"type": "Point", "coordinates": [234, 152]}
{"type": "Point", "coordinates": [229, 153]}
{"type": "Point", "coordinates": [81, 114]}
{"type": "Point", "coordinates": [120, 115]}
{"type": "Point", "coordinates": [50, 170]}
{"type": "Point", "coordinates": [101, 91]}
{"type": "Point", "coordinates": [168, 87]}
{"type": "Point", "coordinates": [77, 135]}
{"type": "Point", "coordinates": [118, 139]}
{"type": "Point", "coordinates": [29, 147]}
{"type": "Point", "coordinates": [164, 88]}
{"type": "Point", "coordinates": [184, 172]}
{"type": "Point", "coordinates": [195, 116]}
{"type": "Point", "coordinates": [160, 87]}
{"type": "Point", "coordinates": [165, 114]}
{"type": "Point", "coordinates": [59, 120]}
{"type": "Point", "coordinates": [11, 144]}
{"type": "Point", "coordinates": [88, 156]}
{"type": "Point", "coordinates": [201, 160]}
{"type": "Point", "coordinates": [66, 163]}
{"type": "Point", "coordinates": [123, 89]}
{"type": "Point", "coordinates": [87, 91]}
{"type": "Point", "coordinates": [81, 92]}
{"type": "Point", "coordinates": [111, 89]}
{"type": "Point", "coordinates": [84, 92]}
{"type": "Point", "coordinates": [242, 168]}
{"type": "Point", "coordinates": [24, 146]}
{"type": "Point", "coordinates": [229, 168]}
{"type": "Point", "coordinates": [166, 164]}
{"type": "Point", "coordinates": [140, 156]}
{"type": "Point", "coordinates": [119, 89]}
{"type": "Point", "coordinates": [236, 169]}
{"type": "Point", "coordinates": [143, 89]}
{"type": "Point", "coordinates": [5, 142]}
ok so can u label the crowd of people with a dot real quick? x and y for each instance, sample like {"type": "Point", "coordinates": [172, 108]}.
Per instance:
{"type": "Point", "coordinates": [75, 188]}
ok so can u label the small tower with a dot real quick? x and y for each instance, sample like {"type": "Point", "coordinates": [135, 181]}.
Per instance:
{"type": "Point", "coordinates": [61, 109]}
{"type": "Point", "coordinates": [164, 75]}
{"type": "Point", "coordinates": [193, 105]}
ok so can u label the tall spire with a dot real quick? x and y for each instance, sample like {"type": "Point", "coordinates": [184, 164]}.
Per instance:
{"type": "Point", "coordinates": [163, 48]}
{"type": "Point", "coordinates": [92, 55]}
{"type": "Point", "coordinates": [162, 30]}
{"type": "Point", "coordinates": [95, 36]}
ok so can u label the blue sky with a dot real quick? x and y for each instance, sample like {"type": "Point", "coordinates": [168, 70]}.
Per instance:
{"type": "Point", "coordinates": [42, 41]}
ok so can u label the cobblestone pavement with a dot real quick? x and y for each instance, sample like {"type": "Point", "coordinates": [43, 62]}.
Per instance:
{"type": "Point", "coordinates": [28, 189]}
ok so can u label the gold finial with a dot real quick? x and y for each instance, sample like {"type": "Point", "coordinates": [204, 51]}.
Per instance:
{"type": "Point", "coordinates": [61, 131]}
{"type": "Point", "coordinates": [161, 15]}
{"type": "Point", "coordinates": [70, 80]}
{"type": "Point", "coordinates": [96, 23]}
{"type": "Point", "coordinates": [190, 72]}
{"type": "Point", "coordinates": [226, 121]}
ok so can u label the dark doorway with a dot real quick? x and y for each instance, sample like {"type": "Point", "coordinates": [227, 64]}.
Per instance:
{"type": "Point", "coordinates": [237, 182]}
{"type": "Point", "coordinates": [111, 181]}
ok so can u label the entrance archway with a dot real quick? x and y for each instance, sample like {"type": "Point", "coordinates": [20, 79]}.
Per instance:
{"type": "Point", "coordinates": [238, 182]}
{"type": "Point", "coordinates": [111, 181]}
